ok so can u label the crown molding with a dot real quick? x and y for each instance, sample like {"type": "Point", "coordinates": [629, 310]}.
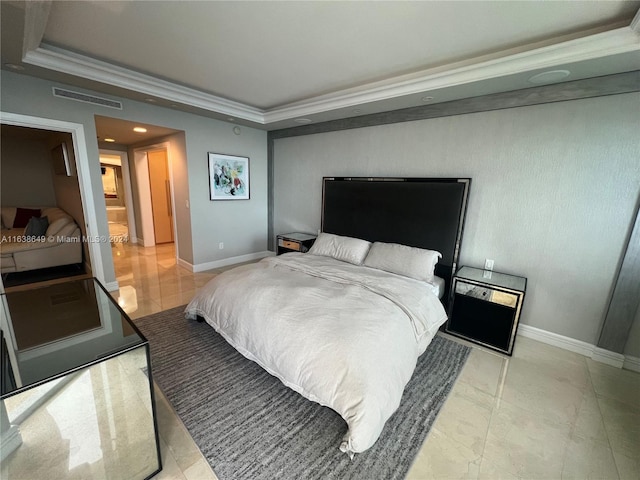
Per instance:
{"type": "Point", "coordinates": [597, 45]}
{"type": "Point", "coordinates": [36, 15]}
{"type": "Point", "coordinates": [620, 40]}
{"type": "Point", "coordinates": [635, 23]}
{"type": "Point", "coordinates": [64, 61]}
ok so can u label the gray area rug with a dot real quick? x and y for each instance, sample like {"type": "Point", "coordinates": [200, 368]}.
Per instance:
{"type": "Point", "coordinates": [250, 426]}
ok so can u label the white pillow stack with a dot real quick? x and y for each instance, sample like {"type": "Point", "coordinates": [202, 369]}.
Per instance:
{"type": "Point", "coordinates": [346, 249]}
{"type": "Point", "coordinates": [411, 262]}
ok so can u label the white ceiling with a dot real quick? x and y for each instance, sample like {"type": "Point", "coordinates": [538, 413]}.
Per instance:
{"type": "Point", "coordinates": [270, 63]}
{"type": "Point", "coordinates": [122, 131]}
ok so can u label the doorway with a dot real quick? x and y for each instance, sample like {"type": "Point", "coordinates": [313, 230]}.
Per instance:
{"type": "Point", "coordinates": [114, 186]}
{"type": "Point", "coordinates": [155, 188]}
{"type": "Point", "coordinates": [160, 189]}
{"type": "Point", "coordinates": [79, 176]}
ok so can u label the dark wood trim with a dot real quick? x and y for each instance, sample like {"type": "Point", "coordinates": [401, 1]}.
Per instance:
{"type": "Point", "coordinates": [271, 241]}
{"type": "Point", "coordinates": [559, 92]}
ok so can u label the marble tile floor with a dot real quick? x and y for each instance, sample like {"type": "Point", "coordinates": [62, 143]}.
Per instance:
{"type": "Point", "coordinates": [94, 423]}
{"type": "Point", "coordinates": [544, 413]}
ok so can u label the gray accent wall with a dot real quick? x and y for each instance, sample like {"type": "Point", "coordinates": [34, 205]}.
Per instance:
{"type": "Point", "coordinates": [632, 348]}
{"type": "Point", "coordinates": [553, 194]}
{"type": "Point", "coordinates": [241, 225]}
{"type": "Point", "coordinates": [625, 298]}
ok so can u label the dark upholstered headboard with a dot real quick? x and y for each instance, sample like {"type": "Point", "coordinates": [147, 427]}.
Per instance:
{"type": "Point", "coordinates": [419, 212]}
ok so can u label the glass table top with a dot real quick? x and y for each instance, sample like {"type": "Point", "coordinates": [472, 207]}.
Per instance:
{"type": "Point", "coordinates": [497, 279]}
{"type": "Point", "coordinates": [299, 236]}
{"type": "Point", "coordinates": [55, 329]}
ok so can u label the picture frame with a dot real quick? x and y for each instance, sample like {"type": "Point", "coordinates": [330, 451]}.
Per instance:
{"type": "Point", "coordinates": [60, 159]}
{"type": "Point", "coordinates": [228, 177]}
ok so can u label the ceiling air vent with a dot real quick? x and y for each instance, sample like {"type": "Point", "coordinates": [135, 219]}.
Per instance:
{"type": "Point", "coordinates": [83, 97]}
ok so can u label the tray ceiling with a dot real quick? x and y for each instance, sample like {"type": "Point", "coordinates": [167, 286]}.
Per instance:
{"type": "Point", "coordinates": [274, 63]}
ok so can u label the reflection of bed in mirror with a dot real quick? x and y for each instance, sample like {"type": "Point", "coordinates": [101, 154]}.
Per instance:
{"type": "Point", "coordinates": [344, 324]}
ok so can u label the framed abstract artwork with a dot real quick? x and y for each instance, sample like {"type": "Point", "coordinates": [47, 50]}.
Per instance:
{"type": "Point", "coordinates": [228, 177]}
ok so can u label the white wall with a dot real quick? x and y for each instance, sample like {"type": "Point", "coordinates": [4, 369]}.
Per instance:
{"type": "Point", "coordinates": [27, 173]}
{"type": "Point", "coordinates": [552, 197]}
{"type": "Point", "coordinates": [242, 225]}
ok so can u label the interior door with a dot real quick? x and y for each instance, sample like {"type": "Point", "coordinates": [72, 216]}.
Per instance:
{"type": "Point", "coordinates": [160, 196]}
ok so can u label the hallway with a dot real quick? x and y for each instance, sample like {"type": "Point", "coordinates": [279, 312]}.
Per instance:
{"type": "Point", "coordinates": [151, 281]}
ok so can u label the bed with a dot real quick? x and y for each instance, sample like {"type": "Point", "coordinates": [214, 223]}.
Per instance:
{"type": "Point", "coordinates": [344, 324]}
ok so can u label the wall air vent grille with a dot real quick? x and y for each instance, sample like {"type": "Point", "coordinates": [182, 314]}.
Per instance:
{"type": "Point", "coordinates": [83, 97]}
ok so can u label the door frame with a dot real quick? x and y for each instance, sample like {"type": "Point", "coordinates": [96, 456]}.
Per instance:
{"type": "Point", "coordinates": [128, 192]}
{"type": "Point", "coordinates": [82, 167]}
{"type": "Point", "coordinates": [144, 193]}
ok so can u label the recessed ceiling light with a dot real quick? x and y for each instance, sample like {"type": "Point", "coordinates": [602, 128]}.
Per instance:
{"type": "Point", "coordinates": [14, 66]}
{"type": "Point", "coordinates": [426, 99]}
{"type": "Point", "coordinates": [303, 120]}
{"type": "Point", "coordinates": [237, 130]}
{"type": "Point", "coordinates": [150, 100]}
{"type": "Point", "coordinates": [110, 140]}
{"type": "Point", "coordinates": [140, 129]}
{"type": "Point", "coordinates": [550, 76]}
{"type": "Point", "coordinates": [230, 119]}
{"type": "Point", "coordinates": [356, 111]}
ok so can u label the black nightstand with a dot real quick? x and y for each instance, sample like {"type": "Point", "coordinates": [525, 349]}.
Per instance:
{"type": "Point", "coordinates": [485, 307]}
{"type": "Point", "coordinates": [294, 242]}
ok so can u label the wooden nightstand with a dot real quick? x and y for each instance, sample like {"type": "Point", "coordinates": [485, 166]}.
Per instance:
{"type": "Point", "coordinates": [485, 307]}
{"type": "Point", "coordinates": [294, 242]}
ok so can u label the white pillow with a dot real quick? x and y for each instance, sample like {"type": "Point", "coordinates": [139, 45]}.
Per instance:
{"type": "Point", "coordinates": [68, 230]}
{"type": "Point", "coordinates": [346, 249]}
{"type": "Point", "coordinates": [411, 262]}
{"type": "Point", "coordinates": [8, 216]}
{"type": "Point", "coordinates": [58, 224]}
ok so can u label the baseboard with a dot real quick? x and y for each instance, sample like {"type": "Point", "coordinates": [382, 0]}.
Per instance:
{"type": "Point", "coordinates": [112, 286]}
{"type": "Point", "coordinates": [605, 356]}
{"type": "Point", "coordinates": [37, 401]}
{"type": "Point", "coordinates": [560, 341]}
{"type": "Point", "coordinates": [632, 363]}
{"type": "Point", "coordinates": [597, 354]}
{"type": "Point", "coordinates": [184, 264]}
{"type": "Point", "coordinates": [201, 267]}
{"type": "Point", "coordinates": [10, 439]}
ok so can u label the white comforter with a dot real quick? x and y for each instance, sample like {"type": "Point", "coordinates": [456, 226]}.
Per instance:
{"type": "Point", "coordinates": [345, 336]}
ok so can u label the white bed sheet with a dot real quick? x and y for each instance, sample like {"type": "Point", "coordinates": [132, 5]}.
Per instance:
{"type": "Point", "coordinates": [345, 336]}
{"type": "Point", "coordinates": [437, 286]}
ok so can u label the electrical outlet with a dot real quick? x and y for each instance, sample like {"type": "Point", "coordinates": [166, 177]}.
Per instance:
{"type": "Point", "coordinates": [488, 264]}
{"type": "Point", "coordinates": [221, 245]}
